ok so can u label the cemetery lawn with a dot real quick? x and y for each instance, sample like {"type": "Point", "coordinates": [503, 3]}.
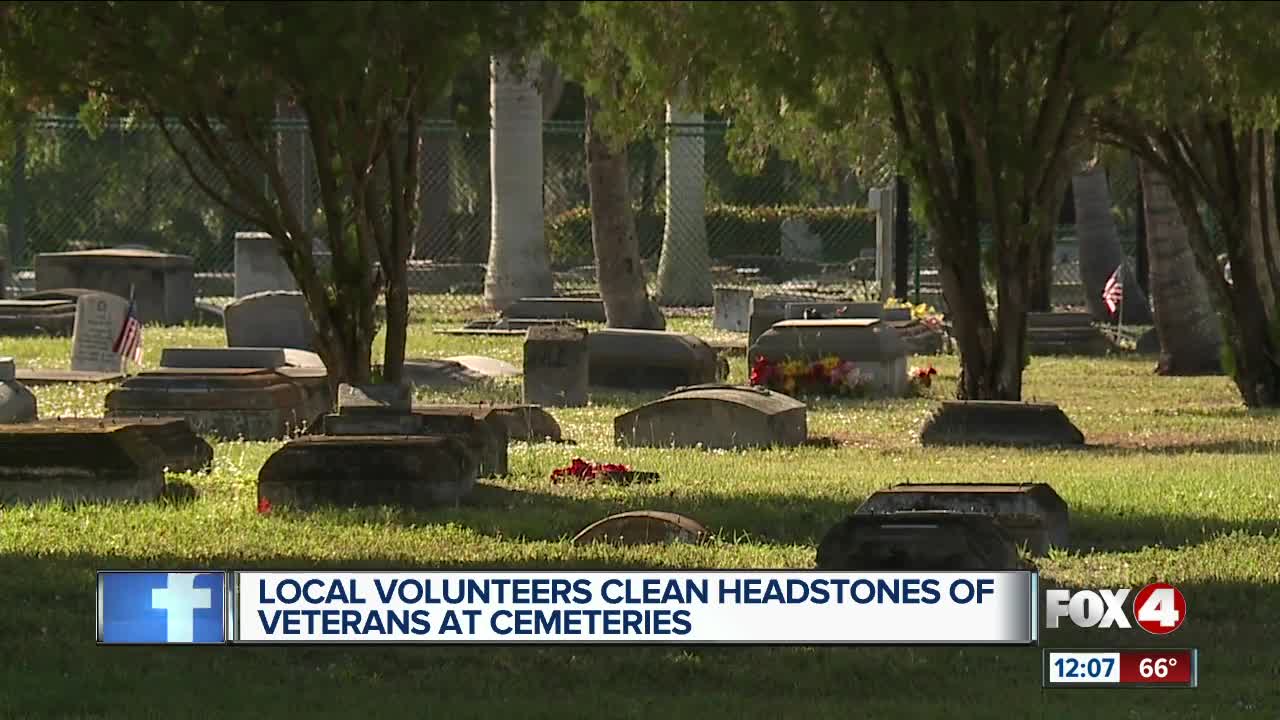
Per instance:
{"type": "Point", "coordinates": [1179, 484]}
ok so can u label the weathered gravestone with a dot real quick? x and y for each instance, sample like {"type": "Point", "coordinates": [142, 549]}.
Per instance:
{"type": "Point", "coordinates": [834, 310]}
{"type": "Point", "coordinates": [556, 363]}
{"type": "Point", "coordinates": [643, 527]}
{"type": "Point", "coordinates": [162, 284]}
{"type": "Point", "coordinates": [714, 417]}
{"type": "Point", "coordinates": [180, 448]}
{"type": "Point", "coordinates": [1063, 333]}
{"type": "Point", "coordinates": [270, 319]}
{"type": "Point", "coordinates": [871, 345]}
{"type": "Point", "coordinates": [376, 398]}
{"type": "Point", "coordinates": [1000, 423]}
{"type": "Point", "coordinates": [799, 242]}
{"type": "Point", "coordinates": [415, 472]}
{"type": "Point", "coordinates": [1032, 514]}
{"type": "Point", "coordinates": [649, 359]}
{"type": "Point", "coordinates": [769, 309]}
{"type": "Point", "coordinates": [581, 309]}
{"type": "Point", "coordinates": [78, 462]}
{"type": "Point", "coordinates": [528, 423]}
{"type": "Point", "coordinates": [732, 309]}
{"type": "Point", "coordinates": [26, 317]}
{"type": "Point", "coordinates": [254, 393]}
{"type": "Point", "coordinates": [17, 402]}
{"type": "Point", "coordinates": [440, 374]}
{"type": "Point", "coordinates": [939, 541]}
{"type": "Point", "coordinates": [99, 320]}
{"type": "Point", "coordinates": [259, 267]}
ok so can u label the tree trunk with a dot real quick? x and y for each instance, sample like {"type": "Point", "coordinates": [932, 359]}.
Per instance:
{"type": "Point", "coordinates": [435, 196]}
{"type": "Point", "coordinates": [1100, 252]}
{"type": "Point", "coordinates": [519, 264]}
{"type": "Point", "coordinates": [684, 270]}
{"type": "Point", "coordinates": [1188, 328]}
{"type": "Point", "coordinates": [613, 235]}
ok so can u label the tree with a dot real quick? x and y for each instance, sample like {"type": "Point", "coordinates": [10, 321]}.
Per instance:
{"type": "Point", "coordinates": [1209, 129]}
{"type": "Point", "coordinates": [209, 75]}
{"type": "Point", "coordinates": [684, 269]}
{"type": "Point", "coordinates": [986, 104]}
{"type": "Point", "coordinates": [519, 264]}
{"type": "Point", "coordinates": [1100, 251]}
{"type": "Point", "coordinates": [1188, 329]}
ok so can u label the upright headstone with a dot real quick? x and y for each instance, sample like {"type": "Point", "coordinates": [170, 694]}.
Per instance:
{"type": "Point", "coordinates": [259, 266]}
{"type": "Point", "coordinates": [732, 309]}
{"type": "Point", "coordinates": [714, 417]}
{"type": "Point", "coordinates": [99, 319]}
{"type": "Point", "coordinates": [882, 201]}
{"type": "Point", "coordinates": [799, 242]}
{"type": "Point", "coordinates": [273, 318]}
{"type": "Point", "coordinates": [556, 366]}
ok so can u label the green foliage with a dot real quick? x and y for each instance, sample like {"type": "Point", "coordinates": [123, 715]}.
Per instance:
{"type": "Point", "coordinates": [731, 230]}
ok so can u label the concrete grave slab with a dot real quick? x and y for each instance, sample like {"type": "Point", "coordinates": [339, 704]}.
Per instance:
{"type": "Point", "coordinates": [378, 398]}
{"type": "Point", "coordinates": [873, 346]}
{"type": "Point", "coordinates": [643, 527]}
{"type": "Point", "coordinates": [415, 472]}
{"type": "Point", "coordinates": [582, 309]}
{"type": "Point", "coordinates": [483, 433]}
{"type": "Point", "coordinates": [182, 449]}
{"type": "Point", "coordinates": [440, 374]}
{"type": "Point", "coordinates": [35, 377]}
{"type": "Point", "coordinates": [239, 357]}
{"type": "Point", "coordinates": [556, 366]}
{"type": "Point", "coordinates": [25, 318]}
{"type": "Point", "coordinates": [649, 359]}
{"type": "Point", "coordinates": [78, 462]}
{"type": "Point", "coordinates": [528, 423]}
{"type": "Point", "coordinates": [935, 541]}
{"type": "Point", "coordinates": [714, 417]}
{"type": "Point", "coordinates": [1000, 423]}
{"type": "Point", "coordinates": [486, 366]}
{"type": "Point", "coordinates": [162, 284]}
{"type": "Point", "coordinates": [1032, 514]}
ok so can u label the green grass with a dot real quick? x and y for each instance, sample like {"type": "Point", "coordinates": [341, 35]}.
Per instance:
{"type": "Point", "coordinates": [1179, 485]}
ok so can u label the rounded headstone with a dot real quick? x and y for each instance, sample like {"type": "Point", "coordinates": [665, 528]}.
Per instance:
{"type": "Point", "coordinates": [643, 527]}
{"type": "Point", "coordinates": [277, 318]}
{"type": "Point", "coordinates": [1000, 423]}
{"type": "Point", "coordinates": [937, 541]}
{"type": "Point", "coordinates": [17, 403]}
{"type": "Point", "coordinates": [715, 417]}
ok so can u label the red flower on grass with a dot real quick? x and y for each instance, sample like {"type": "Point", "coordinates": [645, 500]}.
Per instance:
{"type": "Point", "coordinates": [264, 506]}
{"type": "Point", "coordinates": [923, 376]}
{"type": "Point", "coordinates": [586, 470]}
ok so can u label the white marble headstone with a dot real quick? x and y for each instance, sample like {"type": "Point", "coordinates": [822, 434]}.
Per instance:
{"type": "Point", "coordinates": [99, 318]}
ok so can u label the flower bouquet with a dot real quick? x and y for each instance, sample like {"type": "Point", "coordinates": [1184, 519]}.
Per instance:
{"type": "Point", "coordinates": [921, 379]}
{"type": "Point", "coordinates": [611, 473]}
{"type": "Point", "coordinates": [829, 376]}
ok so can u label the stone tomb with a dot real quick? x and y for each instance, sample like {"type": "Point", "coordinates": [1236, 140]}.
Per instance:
{"type": "Point", "coordinates": [769, 309]}
{"type": "Point", "coordinates": [416, 472]}
{"type": "Point", "coordinates": [527, 423]}
{"type": "Point", "coordinates": [732, 309]}
{"type": "Point", "coordinates": [1032, 514]}
{"type": "Point", "coordinates": [918, 541]}
{"type": "Point", "coordinates": [21, 318]}
{"type": "Point", "coordinates": [17, 402]}
{"type": "Point", "coordinates": [581, 309]}
{"type": "Point", "coordinates": [254, 393]}
{"type": "Point", "coordinates": [643, 527]}
{"type": "Point", "coordinates": [270, 319]}
{"type": "Point", "coordinates": [1061, 333]}
{"type": "Point", "coordinates": [182, 450]}
{"type": "Point", "coordinates": [873, 346]}
{"type": "Point", "coordinates": [999, 423]}
{"type": "Point", "coordinates": [649, 360]}
{"type": "Point", "coordinates": [80, 461]}
{"type": "Point", "coordinates": [163, 284]}
{"type": "Point", "coordinates": [556, 364]}
{"type": "Point", "coordinates": [714, 417]}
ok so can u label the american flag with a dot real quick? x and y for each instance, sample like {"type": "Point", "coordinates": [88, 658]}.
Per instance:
{"type": "Point", "coordinates": [1113, 293]}
{"type": "Point", "coordinates": [129, 343]}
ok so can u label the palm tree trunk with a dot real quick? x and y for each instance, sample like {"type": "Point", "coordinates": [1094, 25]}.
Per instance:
{"type": "Point", "coordinates": [1100, 252]}
{"type": "Point", "coordinates": [1188, 328]}
{"type": "Point", "coordinates": [684, 270]}
{"type": "Point", "coordinates": [519, 264]}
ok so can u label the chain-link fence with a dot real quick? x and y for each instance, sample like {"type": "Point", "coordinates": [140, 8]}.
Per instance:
{"type": "Point", "coordinates": [776, 228]}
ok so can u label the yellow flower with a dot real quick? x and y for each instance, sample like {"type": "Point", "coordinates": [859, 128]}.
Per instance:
{"type": "Point", "coordinates": [789, 385]}
{"type": "Point", "coordinates": [830, 363]}
{"type": "Point", "coordinates": [793, 368]}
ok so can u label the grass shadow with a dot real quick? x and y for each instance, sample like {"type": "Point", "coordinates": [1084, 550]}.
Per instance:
{"type": "Point", "coordinates": [1215, 447]}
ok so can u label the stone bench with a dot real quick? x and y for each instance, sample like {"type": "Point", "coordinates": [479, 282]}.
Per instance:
{"type": "Point", "coordinates": [648, 359]}
{"type": "Point", "coordinates": [714, 417]}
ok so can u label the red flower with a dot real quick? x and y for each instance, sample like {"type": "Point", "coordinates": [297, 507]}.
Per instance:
{"type": "Point", "coordinates": [817, 372]}
{"type": "Point", "coordinates": [264, 506]}
{"type": "Point", "coordinates": [762, 371]}
{"type": "Point", "coordinates": [584, 470]}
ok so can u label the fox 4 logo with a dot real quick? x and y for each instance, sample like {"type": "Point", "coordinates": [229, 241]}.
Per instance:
{"type": "Point", "coordinates": [1158, 608]}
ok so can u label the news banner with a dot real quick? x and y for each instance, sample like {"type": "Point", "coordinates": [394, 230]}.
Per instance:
{"type": "Point", "coordinates": [710, 607]}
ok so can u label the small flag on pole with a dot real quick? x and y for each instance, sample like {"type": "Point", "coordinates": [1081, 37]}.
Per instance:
{"type": "Point", "coordinates": [129, 342]}
{"type": "Point", "coordinates": [1113, 293]}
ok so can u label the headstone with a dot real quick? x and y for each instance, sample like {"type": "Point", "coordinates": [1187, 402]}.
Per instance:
{"type": "Point", "coordinates": [270, 319]}
{"type": "Point", "coordinates": [99, 319]}
{"type": "Point", "coordinates": [1032, 514]}
{"type": "Point", "coordinates": [414, 472]}
{"type": "Point", "coordinates": [248, 403]}
{"type": "Point", "coordinates": [381, 398]}
{"type": "Point", "coordinates": [486, 366]}
{"type": "Point", "coordinates": [78, 462]}
{"type": "Point", "coordinates": [834, 310]}
{"type": "Point", "coordinates": [799, 242]}
{"type": "Point", "coordinates": [1064, 333]}
{"type": "Point", "coordinates": [649, 359]}
{"type": "Point", "coordinates": [918, 541]}
{"type": "Point", "coordinates": [528, 423]}
{"type": "Point", "coordinates": [871, 345]}
{"type": "Point", "coordinates": [239, 357]}
{"type": "Point", "coordinates": [259, 266]}
{"type": "Point", "coordinates": [732, 309]}
{"type": "Point", "coordinates": [182, 450]}
{"type": "Point", "coordinates": [17, 402]}
{"type": "Point", "coordinates": [19, 318]}
{"type": "Point", "coordinates": [440, 374]}
{"type": "Point", "coordinates": [883, 201]}
{"type": "Point", "coordinates": [483, 433]}
{"type": "Point", "coordinates": [999, 423]}
{"type": "Point", "coordinates": [163, 284]}
{"type": "Point", "coordinates": [557, 308]}
{"type": "Point", "coordinates": [556, 366]}
{"type": "Point", "coordinates": [769, 309]}
{"type": "Point", "coordinates": [714, 417]}
{"type": "Point", "coordinates": [643, 527]}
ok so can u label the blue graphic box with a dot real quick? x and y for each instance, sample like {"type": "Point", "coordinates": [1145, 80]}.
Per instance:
{"type": "Point", "coordinates": [162, 607]}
